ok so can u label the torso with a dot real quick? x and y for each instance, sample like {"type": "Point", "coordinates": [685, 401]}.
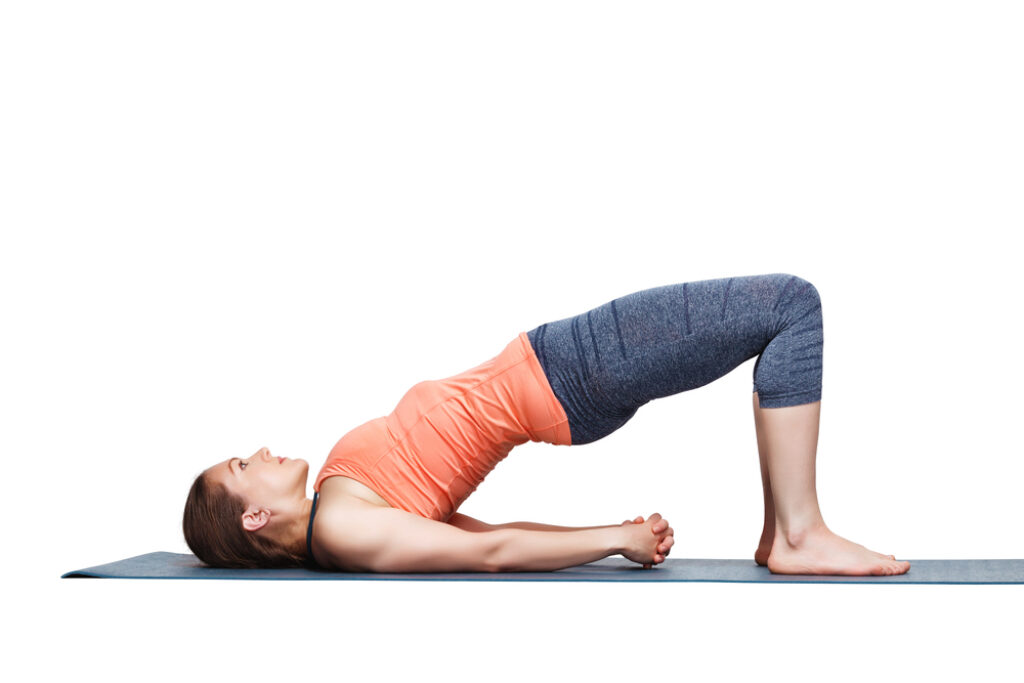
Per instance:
{"type": "Point", "coordinates": [444, 436]}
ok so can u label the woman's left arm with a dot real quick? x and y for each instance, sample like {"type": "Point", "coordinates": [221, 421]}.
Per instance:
{"type": "Point", "coordinates": [469, 524]}
{"type": "Point", "coordinates": [533, 526]}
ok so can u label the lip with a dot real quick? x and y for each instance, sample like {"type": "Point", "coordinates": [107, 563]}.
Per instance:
{"type": "Point", "coordinates": [280, 458]}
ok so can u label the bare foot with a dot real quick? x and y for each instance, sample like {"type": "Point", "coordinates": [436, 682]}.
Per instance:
{"type": "Point", "coordinates": [764, 549]}
{"type": "Point", "coordinates": [819, 551]}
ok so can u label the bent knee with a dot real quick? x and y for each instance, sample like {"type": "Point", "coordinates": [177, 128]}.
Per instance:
{"type": "Point", "coordinates": [796, 290]}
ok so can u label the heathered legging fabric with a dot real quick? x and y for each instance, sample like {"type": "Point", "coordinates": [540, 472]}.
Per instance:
{"type": "Point", "coordinates": [606, 363]}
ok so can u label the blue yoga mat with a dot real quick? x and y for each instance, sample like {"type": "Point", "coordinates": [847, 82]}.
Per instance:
{"type": "Point", "coordinates": [161, 565]}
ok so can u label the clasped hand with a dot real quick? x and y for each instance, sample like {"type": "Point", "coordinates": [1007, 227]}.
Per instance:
{"type": "Point", "coordinates": [648, 542]}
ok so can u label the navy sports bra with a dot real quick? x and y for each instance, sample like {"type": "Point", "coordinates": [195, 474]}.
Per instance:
{"type": "Point", "coordinates": [309, 529]}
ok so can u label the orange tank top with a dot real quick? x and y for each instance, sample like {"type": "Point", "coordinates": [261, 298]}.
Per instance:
{"type": "Point", "coordinates": [445, 435]}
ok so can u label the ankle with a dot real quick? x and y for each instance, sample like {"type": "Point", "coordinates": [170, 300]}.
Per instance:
{"type": "Point", "coordinates": [796, 534]}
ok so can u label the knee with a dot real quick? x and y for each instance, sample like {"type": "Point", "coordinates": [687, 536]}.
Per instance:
{"type": "Point", "coordinates": [798, 290]}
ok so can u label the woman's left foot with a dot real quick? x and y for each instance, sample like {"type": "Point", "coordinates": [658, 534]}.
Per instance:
{"type": "Point", "coordinates": [764, 549]}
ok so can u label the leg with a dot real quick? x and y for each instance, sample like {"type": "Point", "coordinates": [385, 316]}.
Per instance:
{"type": "Point", "coordinates": [788, 440]}
{"type": "Point", "coordinates": [787, 409]}
{"type": "Point", "coordinates": [606, 363]}
{"type": "Point", "coordinates": [764, 546]}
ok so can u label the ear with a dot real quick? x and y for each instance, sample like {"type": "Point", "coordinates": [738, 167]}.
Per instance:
{"type": "Point", "coordinates": [255, 518]}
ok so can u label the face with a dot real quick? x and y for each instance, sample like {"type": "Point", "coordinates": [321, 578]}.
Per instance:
{"type": "Point", "coordinates": [269, 485]}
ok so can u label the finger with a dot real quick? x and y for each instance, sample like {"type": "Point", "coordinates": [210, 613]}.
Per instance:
{"type": "Point", "coordinates": [639, 519]}
{"type": "Point", "coordinates": [659, 527]}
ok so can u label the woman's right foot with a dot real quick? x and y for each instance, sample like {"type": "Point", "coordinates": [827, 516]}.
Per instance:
{"type": "Point", "coordinates": [819, 551]}
{"type": "Point", "coordinates": [764, 550]}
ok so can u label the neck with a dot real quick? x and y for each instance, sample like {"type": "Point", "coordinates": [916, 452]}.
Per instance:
{"type": "Point", "coordinates": [294, 534]}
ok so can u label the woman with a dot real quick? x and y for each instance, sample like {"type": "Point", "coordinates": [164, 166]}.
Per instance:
{"type": "Point", "coordinates": [386, 499]}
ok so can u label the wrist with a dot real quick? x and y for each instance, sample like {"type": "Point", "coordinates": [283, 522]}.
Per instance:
{"type": "Point", "coordinates": [618, 539]}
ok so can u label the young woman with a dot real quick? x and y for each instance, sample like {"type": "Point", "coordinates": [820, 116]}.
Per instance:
{"type": "Point", "coordinates": [386, 500]}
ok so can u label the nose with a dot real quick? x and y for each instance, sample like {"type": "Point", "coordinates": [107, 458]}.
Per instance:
{"type": "Point", "coordinates": [265, 453]}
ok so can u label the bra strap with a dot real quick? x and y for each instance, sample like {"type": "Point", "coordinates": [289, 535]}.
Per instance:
{"type": "Point", "coordinates": [309, 530]}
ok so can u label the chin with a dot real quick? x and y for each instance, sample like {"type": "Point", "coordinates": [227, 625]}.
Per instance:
{"type": "Point", "coordinates": [304, 469]}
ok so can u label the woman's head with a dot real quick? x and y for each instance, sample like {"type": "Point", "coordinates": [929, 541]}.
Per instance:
{"type": "Point", "coordinates": [249, 512]}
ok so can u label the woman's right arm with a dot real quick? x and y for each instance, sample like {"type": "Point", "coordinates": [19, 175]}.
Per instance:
{"type": "Point", "coordinates": [376, 539]}
{"type": "Point", "coordinates": [526, 550]}
{"type": "Point", "coordinates": [368, 538]}
{"type": "Point", "coordinates": [645, 543]}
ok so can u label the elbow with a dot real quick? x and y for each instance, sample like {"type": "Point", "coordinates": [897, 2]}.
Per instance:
{"type": "Point", "coordinates": [497, 555]}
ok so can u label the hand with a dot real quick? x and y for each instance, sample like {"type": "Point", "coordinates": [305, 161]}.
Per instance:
{"type": "Point", "coordinates": [648, 543]}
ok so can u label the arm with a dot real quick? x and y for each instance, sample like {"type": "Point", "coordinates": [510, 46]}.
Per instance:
{"type": "Point", "coordinates": [375, 539]}
{"type": "Point", "coordinates": [645, 542]}
{"type": "Point", "coordinates": [533, 526]}
{"type": "Point", "coordinates": [470, 524]}
{"type": "Point", "coordinates": [539, 551]}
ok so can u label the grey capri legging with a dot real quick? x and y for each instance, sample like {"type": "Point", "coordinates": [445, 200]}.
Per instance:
{"type": "Point", "coordinates": [606, 363]}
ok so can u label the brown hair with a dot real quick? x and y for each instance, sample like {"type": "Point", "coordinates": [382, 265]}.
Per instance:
{"type": "Point", "coordinates": [213, 530]}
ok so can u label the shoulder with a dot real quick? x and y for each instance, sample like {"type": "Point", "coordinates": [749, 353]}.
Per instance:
{"type": "Point", "coordinates": [353, 535]}
{"type": "Point", "coordinates": [338, 520]}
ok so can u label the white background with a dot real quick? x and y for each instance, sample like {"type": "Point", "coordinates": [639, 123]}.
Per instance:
{"type": "Point", "coordinates": [234, 225]}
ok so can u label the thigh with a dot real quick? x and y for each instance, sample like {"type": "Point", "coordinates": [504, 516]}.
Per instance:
{"type": "Point", "coordinates": [607, 362]}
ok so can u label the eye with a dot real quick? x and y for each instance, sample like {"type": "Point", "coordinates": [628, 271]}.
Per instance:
{"type": "Point", "coordinates": [242, 464]}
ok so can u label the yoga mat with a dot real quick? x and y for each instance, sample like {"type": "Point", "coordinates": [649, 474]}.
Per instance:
{"type": "Point", "coordinates": [162, 565]}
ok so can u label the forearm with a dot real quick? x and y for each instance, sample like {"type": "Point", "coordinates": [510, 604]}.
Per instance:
{"type": "Point", "coordinates": [530, 550]}
{"type": "Point", "coordinates": [533, 526]}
